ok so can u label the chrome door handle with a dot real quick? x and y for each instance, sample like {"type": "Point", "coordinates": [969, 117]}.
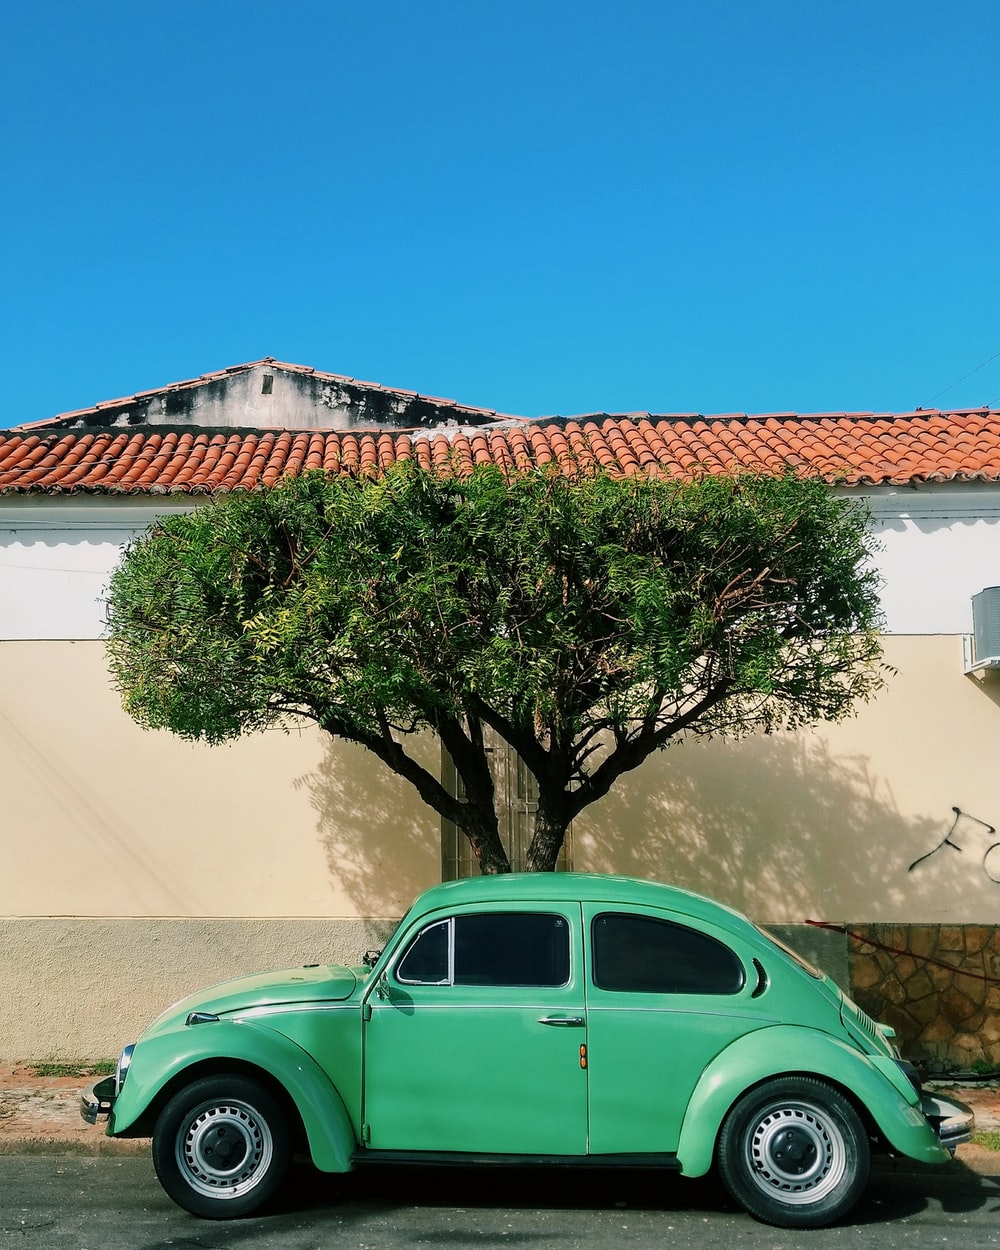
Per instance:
{"type": "Point", "coordinates": [563, 1022]}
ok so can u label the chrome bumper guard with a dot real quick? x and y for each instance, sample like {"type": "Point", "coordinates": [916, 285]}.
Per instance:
{"type": "Point", "coordinates": [97, 1100]}
{"type": "Point", "coordinates": [952, 1120]}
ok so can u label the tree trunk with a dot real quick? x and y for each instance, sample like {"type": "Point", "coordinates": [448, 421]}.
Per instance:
{"type": "Point", "coordinates": [477, 813]}
{"type": "Point", "coordinates": [551, 822]}
{"type": "Point", "coordinates": [487, 847]}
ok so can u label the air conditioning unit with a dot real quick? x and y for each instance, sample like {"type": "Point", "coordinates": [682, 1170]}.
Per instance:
{"type": "Point", "coordinates": [985, 631]}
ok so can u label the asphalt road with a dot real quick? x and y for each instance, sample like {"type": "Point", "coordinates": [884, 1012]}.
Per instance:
{"type": "Point", "coordinates": [114, 1203]}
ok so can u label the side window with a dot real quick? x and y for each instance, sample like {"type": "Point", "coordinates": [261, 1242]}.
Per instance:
{"type": "Point", "coordinates": [644, 955]}
{"type": "Point", "coordinates": [426, 962]}
{"type": "Point", "coordinates": [507, 948]}
{"type": "Point", "coordinates": [493, 948]}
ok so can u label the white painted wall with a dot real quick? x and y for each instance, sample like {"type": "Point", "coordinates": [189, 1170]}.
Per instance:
{"type": "Point", "coordinates": [939, 545]}
{"type": "Point", "coordinates": [56, 559]}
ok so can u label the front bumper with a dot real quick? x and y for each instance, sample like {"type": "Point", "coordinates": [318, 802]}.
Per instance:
{"type": "Point", "coordinates": [952, 1120]}
{"type": "Point", "coordinates": [97, 1100]}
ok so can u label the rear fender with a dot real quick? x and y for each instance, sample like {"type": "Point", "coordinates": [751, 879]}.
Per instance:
{"type": "Point", "coordinates": [160, 1062]}
{"type": "Point", "coordinates": [874, 1082]}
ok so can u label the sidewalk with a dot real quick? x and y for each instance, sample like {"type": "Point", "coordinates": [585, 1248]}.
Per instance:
{"type": "Point", "coordinates": [41, 1115]}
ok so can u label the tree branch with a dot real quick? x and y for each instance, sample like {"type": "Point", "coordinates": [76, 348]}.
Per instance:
{"type": "Point", "coordinates": [635, 751]}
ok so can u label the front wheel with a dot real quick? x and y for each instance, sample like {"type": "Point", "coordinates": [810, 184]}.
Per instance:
{"type": "Point", "coordinates": [221, 1147]}
{"type": "Point", "coordinates": [794, 1153]}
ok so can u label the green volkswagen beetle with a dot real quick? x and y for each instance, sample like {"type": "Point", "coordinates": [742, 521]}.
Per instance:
{"type": "Point", "coordinates": [534, 1019]}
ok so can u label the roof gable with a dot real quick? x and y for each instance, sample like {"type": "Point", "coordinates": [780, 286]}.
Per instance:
{"type": "Point", "coordinates": [269, 394]}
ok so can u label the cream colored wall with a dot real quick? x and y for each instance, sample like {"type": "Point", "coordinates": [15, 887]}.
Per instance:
{"type": "Point", "coordinates": [82, 988]}
{"type": "Point", "coordinates": [137, 867]}
{"type": "Point", "coordinates": [101, 818]}
{"type": "Point", "coordinates": [824, 825]}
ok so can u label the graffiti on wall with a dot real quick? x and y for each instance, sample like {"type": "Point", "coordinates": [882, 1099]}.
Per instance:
{"type": "Point", "coordinates": [969, 834]}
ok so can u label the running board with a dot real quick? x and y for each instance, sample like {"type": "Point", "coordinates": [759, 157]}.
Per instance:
{"type": "Point", "coordinates": [462, 1158]}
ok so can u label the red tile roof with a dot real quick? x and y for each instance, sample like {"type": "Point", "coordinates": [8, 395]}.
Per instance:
{"type": "Point", "coordinates": [852, 448]}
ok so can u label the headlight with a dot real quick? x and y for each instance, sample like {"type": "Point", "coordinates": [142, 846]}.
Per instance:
{"type": "Point", "coordinates": [121, 1071]}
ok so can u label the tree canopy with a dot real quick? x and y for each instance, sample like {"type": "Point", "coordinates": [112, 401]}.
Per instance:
{"type": "Point", "coordinates": [587, 623]}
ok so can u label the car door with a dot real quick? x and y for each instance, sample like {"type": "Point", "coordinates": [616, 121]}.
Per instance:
{"type": "Point", "coordinates": [475, 1035]}
{"type": "Point", "coordinates": [664, 997]}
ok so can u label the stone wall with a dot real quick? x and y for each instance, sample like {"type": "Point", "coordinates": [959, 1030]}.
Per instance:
{"type": "Point", "coordinates": [938, 986]}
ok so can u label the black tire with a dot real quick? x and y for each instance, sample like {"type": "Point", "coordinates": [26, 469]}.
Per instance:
{"type": "Point", "coordinates": [221, 1147]}
{"type": "Point", "coordinates": [794, 1153]}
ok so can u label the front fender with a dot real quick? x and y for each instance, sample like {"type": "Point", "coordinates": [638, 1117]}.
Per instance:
{"type": "Point", "coordinates": [874, 1081]}
{"type": "Point", "coordinates": [159, 1062]}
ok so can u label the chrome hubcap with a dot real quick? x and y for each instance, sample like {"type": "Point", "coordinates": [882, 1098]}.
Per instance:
{"type": "Point", "coordinates": [797, 1153]}
{"type": "Point", "coordinates": [224, 1149]}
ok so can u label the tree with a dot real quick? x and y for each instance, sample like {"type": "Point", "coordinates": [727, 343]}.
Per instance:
{"type": "Point", "coordinates": [588, 623]}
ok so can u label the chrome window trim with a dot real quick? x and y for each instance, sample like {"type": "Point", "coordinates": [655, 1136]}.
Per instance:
{"type": "Point", "coordinates": [450, 976]}
{"type": "Point", "coordinates": [557, 913]}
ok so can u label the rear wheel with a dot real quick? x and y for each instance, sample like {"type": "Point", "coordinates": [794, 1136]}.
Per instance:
{"type": "Point", "coordinates": [221, 1147]}
{"type": "Point", "coordinates": [794, 1153]}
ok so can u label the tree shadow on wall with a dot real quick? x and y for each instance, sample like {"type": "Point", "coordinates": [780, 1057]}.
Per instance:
{"type": "Point", "coordinates": [382, 843]}
{"type": "Point", "coordinates": [778, 827]}
{"type": "Point", "coordinates": [783, 829]}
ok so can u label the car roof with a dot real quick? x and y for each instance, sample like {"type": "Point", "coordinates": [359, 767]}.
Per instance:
{"type": "Point", "coordinates": [563, 887]}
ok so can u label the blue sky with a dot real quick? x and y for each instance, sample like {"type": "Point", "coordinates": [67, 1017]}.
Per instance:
{"type": "Point", "coordinates": [540, 207]}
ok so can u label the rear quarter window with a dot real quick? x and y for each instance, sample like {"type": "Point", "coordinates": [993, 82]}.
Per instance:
{"type": "Point", "coordinates": [643, 954]}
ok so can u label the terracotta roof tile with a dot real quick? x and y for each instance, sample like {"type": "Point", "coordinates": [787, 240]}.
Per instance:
{"type": "Point", "coordinates": [858, 449]}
